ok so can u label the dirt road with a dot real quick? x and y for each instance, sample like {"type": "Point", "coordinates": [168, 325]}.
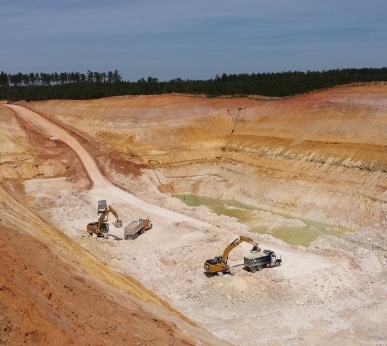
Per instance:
{"type": "Point", "coordinates": [70, 252]}
{"type": "Point", "coordinates": [101, 186]}
{"type": "Point", "coordinates": [313, 295]}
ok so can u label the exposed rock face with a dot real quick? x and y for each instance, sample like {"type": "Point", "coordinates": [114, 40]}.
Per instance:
{"type": "Point", "coordinates": [322, 156]}
{"type": "Point", "coordinates": [21, 159]}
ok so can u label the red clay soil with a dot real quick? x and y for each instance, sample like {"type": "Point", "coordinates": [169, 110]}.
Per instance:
{"type": "Point", "coordinates": [45, 301]}
{"type": "Point", "coordinates": [311, 155]}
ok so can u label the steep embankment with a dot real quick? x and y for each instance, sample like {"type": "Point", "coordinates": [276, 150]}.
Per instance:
{"type": "Point", "coordinates": [53, 291]}
{"type": "Point", "coordinates": [318, 156]}
{"type": "Point", "coordinates": [321, 156]}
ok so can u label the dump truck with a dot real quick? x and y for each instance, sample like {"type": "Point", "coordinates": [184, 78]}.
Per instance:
{"type": "Point", "coordinates": [101, 207]}
{"type": "Point", "coordinates": [137, 227]}
{"type": "Point", "coordinates": [101, 228]}
{"type": "Point", "coordinates": [265, 259]}
{"type": "Point", "coordinates": [219, 266]}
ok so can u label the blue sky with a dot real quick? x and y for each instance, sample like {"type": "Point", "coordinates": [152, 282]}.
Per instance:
{"type": "Point", "coordinates": [191, 39]}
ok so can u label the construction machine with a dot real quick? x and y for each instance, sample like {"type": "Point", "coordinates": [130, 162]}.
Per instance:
{"type": "Point", "coordinates": [266, 259]}
{"type": "Point", "coordinates": [219, 265]}
{"type": "Point", "coordinates": [137, 227]}
{"type": "Point", "coordinates": [102, 205]}
{"type": "Point", "coordinates": [101, 228]}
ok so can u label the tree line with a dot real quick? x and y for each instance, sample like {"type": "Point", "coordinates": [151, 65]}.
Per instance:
{"type": "Point", "coordinates": [91, 85]}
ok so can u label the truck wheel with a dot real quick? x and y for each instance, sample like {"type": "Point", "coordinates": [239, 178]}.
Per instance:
{"type": "Point", "coordinates": [253, 269]}
{"type": "Point", "coordinates": [277, 264]}
{"type": "Point", "coordinates": [259, 268]}
{"type": "Point", "coordinates": [126, 237]}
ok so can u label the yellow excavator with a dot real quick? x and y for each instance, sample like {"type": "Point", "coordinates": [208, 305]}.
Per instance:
{"type": "Point", "coordinates": [219, 265]}
{"type": "Point", "coordinates": [101, 228]}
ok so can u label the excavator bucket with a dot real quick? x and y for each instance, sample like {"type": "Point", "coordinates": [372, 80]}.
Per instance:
{"type": "Point", "coordinates": [118, 223]}
{"type": "Point", "coordinates": [255, 249]}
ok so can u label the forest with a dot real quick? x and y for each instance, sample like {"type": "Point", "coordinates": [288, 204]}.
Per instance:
{"type": "Point", "coordinates": [92, 85]}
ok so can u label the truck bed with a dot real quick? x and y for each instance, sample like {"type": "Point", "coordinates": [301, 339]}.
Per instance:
{"type": "Point", "coordinates": [249, 261]}
{"type": "Point", "coordinates": [259, 258]}
{"type": "Point", "coordinates": [102, 205]}
{"type": "Point", "coordinates": [267, 258]}
{"type": "Point", "coordinates": [133, 227]}
{"type": "Point", "coordinates": [137, 227]}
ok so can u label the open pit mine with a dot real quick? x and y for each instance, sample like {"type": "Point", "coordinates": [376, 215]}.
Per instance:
{"type": "Point", "coordinates": [303, 177]}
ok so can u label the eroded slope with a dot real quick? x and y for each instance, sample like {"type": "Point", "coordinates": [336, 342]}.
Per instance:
{"type": "Point", "coordinates": [322, 155]}
{"type": "Point", "coordinates": [51, 289]}
{"type": "Point", "coordinates": [244, 152]}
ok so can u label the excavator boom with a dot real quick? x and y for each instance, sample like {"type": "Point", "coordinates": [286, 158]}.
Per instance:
{"type": "Point", "coordinates": [219, 263]}
{"type": "Point", "coordinates": [118, 222]}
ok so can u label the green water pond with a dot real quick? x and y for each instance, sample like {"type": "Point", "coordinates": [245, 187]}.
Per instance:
{"type": "Point", "coordinates": [291, 230]}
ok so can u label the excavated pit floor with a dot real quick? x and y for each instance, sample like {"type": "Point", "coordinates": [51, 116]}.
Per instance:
{"type": "Point", "coordinates": [331, 292]}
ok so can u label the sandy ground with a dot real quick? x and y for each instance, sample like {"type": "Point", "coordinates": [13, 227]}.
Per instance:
{"type": "Point", "coordinates": [330, 293]}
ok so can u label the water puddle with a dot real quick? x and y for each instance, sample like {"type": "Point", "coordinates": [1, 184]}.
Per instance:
{"type": "Point", "coordinates": [291, 230]}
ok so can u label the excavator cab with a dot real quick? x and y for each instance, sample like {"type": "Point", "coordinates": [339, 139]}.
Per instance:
{"type": "Point", "coordinates": [216, 260]}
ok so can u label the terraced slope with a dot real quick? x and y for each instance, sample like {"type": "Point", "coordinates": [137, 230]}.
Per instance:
{"type": "Point", "coordinates": [320, 156]}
